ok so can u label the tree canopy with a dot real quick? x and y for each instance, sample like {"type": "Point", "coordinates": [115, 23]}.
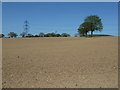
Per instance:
{"type": "Point", "coordinates": [91, 23]}
{"type": "Point", "coordinates": [65, 35]}
{"type": "Point", "coordinates": [85, 28]}
{"type": "Point", "coordinates": [12, 34]}
{"type": "Point", "coordinates": [96, 21]}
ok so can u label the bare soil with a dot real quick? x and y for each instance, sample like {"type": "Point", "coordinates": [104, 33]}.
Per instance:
{"type": "Point", "coordinates": [0, 63]}
{"type": "Point", "coordinates": [71, 62]}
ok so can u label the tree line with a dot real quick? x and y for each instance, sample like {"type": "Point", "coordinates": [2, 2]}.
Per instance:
{"type": "Point", "coordinates": [91, 23]}
{"type": "Point", "coordinates": [41, 34]}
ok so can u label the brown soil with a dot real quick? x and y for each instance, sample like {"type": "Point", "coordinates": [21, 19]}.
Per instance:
{"type": "Point", "coordinates": [71, 62]}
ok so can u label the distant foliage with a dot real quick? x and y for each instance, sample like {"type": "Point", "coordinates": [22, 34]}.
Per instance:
{"type": "Point", "coordinates": [56, 35]}
{"type": "Point", "coordinates": [41, 34]}
{"type": "Point", "coordinates": [65, 35]}
{"type": "Point", "coordinates": [29, 35]}
{"type": "Point", "coordinates": [12, 34]}
{"type": "Point", "coordinates": [36, 36]}
{"type": "Point", "coordinates": [2, 35]}
{"type": "Point", "coordinates": [50, 35]}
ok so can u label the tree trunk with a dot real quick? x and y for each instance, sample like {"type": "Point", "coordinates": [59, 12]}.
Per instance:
{"type": "Point", "coordinates": [86, 34]}
{"type": "Point", "coordinates": [91, 33]}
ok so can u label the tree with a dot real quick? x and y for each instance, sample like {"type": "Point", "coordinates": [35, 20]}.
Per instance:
{"type": "Point", "coordinates": [41, 34]}
{"type": "Point", "coordinates": [58, 35]}
{"type": "Point", "coordinates": [53, 35]}
{"type": "Point", "coordinates": [96, 21]}
{"type": "Point", "coordinates": [2, 35]}
{"type": "Point", "coordinates": [50, 35]}
{"type": "Point", "coordinates": [36, 36]}
{"type": "Point", "coordinates": [85, 28]}
{"type": "Point", "coordinates": [47, 35]}
{"type": "Point", "coordinates": [29, 35]}
{"type": "Point", "coordinates": [65, 35]}
{"type": "Point", "coordinates": [81, 31]}
{"type": "Point", "coordinates": [12, 34]}
{"type": "Point", "coordinates": [23, 34]}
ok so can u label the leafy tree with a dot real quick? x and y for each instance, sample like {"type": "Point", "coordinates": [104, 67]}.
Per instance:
{"type": "Point", "coordinates": [50, 35]}
{"type": "Point", "coordinates": [2, 35]}
{"type": "Point", "coordinates": [41, 34]}
{"type": "Point", "coordinates": [65, 35]}
{"type": "Point", "coordinates": [85, 28]}
{"type": "Point", "coordinates": [47, 35]}
{"type": "Point", "coordinates": [36, 36]}
{"type": "Point", "coordinates": [29, 35]}
{"type": "Point", "coordinates": [96, 21]}
{"type": "Point", "coordinates": [53, 35]}
{"type": "Point", "coordinates": [12, 34]}
{"type": "Point", "coordinates": [82, 32]}
{"type": "Point", "coordinates": [58, 35]}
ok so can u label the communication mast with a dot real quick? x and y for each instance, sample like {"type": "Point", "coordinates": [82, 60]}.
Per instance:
{"type": "Point", "coordinates": [26, 27]}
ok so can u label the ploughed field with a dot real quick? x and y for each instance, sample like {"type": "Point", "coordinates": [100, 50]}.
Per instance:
{"type": "Point", "coordinates": [58, 62]}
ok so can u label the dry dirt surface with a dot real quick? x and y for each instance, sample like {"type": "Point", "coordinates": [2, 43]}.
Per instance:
{"type": "Point", "coordinates": [70, 62]}
{"type": "Point", "coordinates": [0, 63]}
